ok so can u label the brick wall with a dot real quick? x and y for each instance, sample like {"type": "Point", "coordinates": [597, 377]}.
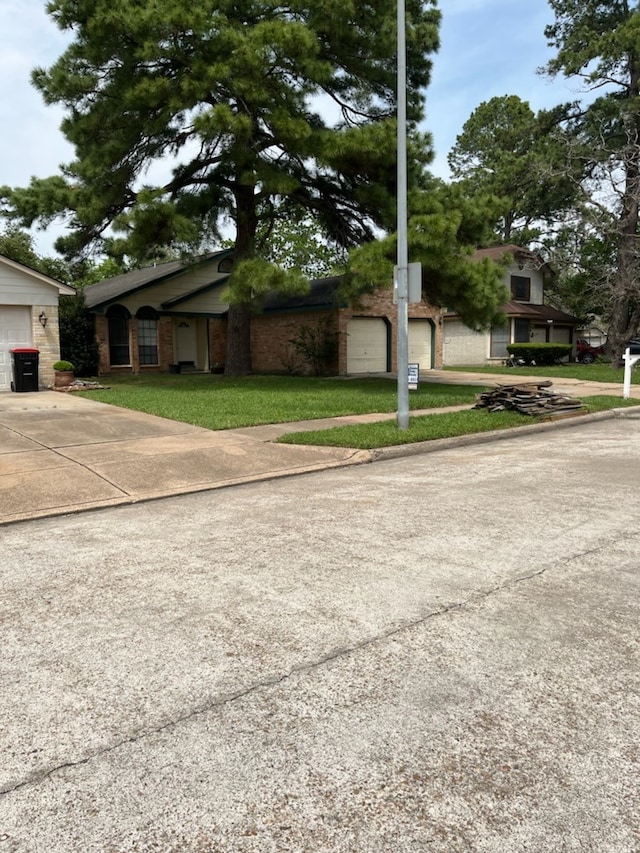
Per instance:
{"type": "Point", "coordinates": [165, 343]}
{"type": "Point", "coordinates": [165, 347]}
{"type": "Point", "coordinates": [217, 340]}
{"type": "Point", "coordinates": [47, 340]}
{"type": "Point", "coordinates": [464, 346]}
{"type": "Point", "coordinates": [271, 334]}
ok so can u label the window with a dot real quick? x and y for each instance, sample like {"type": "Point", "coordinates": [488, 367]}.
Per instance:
{"type": "Point", "coordinates": [499, 341]}
{"type": "Point", "coordinates": [147, 336]}
{"type": "Point", "coordinates": [118, 322]}
{"type": "Point", "coordinates": [520, 288]}
{"type": "Point", "coordinates": [521, 332]}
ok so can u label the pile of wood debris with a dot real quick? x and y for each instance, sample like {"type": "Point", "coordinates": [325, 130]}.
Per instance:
{"type": "Point", "coordinates": [529, 399]}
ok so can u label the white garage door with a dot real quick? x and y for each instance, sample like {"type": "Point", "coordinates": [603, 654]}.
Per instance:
{"type": "Point", "coordinates": [15, 331]}
{"type": "Point", "coordinates": [367, 345]}
{"type": "Point", "coordinates": [420, 343]}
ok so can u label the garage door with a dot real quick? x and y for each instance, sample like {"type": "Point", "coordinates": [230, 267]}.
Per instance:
{"type": "Point", "coordinates": [15, 331]}
{"type": "Point", "coordinates": [367, 345]}
{"type": "Point", "coordinates": [420, 343]}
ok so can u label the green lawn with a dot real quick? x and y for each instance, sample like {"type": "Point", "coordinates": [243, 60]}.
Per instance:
{"type": "Point", "coordinates": [597, 372]}
{"type": "Point", "coordinates": [431, 427]}
{"type": "Point", "coordinates": [217, 402]}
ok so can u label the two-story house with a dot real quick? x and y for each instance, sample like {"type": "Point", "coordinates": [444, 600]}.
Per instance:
{"type": "Point", "coordinates": [527, 318]}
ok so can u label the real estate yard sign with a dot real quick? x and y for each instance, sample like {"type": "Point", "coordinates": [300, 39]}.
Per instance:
{"type": "Point", "coordinates": [414, 377]}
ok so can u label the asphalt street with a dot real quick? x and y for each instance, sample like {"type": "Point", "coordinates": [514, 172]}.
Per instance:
{"type": "Point", "coordinates": [431, 653]}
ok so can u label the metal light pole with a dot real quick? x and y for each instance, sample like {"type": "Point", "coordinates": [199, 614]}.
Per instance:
{"type": "Point", "coordinates": [402, 284]}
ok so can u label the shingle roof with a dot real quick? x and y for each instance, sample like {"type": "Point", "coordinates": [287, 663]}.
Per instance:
{"type": "Point", "coordinates": [121, 285]}
{"type": "Point", "coordinates": [497, 253]}
{"type": "Point", "coordinates": [539, 312]}
{"type": "Point", "coordinates": [322, 294]}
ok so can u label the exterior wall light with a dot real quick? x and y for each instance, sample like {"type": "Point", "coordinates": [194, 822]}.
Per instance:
{"type": "Point", "coordinates": [43, 319]}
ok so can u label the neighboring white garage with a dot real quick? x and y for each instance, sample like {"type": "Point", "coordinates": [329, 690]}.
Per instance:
{"type": "Point", "coordinates": [15, 331]}
{"type": "Point", "coordinates": [420, 335]}
{"type": "Point", "coordinates": [29, 318]}
{"type": "Point", "coordinates": [367, 345]}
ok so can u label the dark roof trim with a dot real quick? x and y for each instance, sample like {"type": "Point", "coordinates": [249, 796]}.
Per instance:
{"type": "Point", "coordinates": [321, 295]}
{"type": "Point", "coordinates": [527, 311]}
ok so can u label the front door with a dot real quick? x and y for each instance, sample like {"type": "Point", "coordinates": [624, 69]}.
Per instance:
{"type": "Point", "coordinates": [186, 344]}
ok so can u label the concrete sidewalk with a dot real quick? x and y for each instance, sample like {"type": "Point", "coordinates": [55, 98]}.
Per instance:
{"type": "Point", "coordinates": [60, 453]}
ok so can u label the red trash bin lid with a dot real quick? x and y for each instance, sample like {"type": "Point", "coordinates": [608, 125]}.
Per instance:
{"type": "Point", "coordinates": [25, 349]}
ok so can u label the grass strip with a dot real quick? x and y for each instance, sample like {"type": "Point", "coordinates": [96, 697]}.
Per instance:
{"type": "Point", "coordinates": [596, 372]}
{"type": "Point", "coordinates": [432, 427]}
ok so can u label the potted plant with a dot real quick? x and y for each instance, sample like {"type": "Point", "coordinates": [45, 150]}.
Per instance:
{"type": "Point", "coordinates": [63, 374]}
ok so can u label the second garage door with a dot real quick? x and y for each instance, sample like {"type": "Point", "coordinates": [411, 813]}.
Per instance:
{"type": "Point", "coordinates": [367, 345]}
{"type": "Point", "coordinates": [420, 343]}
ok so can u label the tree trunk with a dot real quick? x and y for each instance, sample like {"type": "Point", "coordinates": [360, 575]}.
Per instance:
{"type": "Point", "coordinates": [626, 291]}
{"type": "Point", "coordinates": [238, 359]}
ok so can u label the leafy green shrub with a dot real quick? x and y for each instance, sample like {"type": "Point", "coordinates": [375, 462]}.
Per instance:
{"type": "Point", "coordinates": [77, 338]}
{"type": "Point", "coordinates": [63, 365]}
{"type": "Point", "coordinates": [317, 345]}
{"type": "Point", "coordinates": [542, 354]}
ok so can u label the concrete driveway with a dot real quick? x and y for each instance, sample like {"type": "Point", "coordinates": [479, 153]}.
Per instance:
{"type": "Point", "coordinates": [431, 654]}
{"type": "Point", "coordinates": [60, 453]}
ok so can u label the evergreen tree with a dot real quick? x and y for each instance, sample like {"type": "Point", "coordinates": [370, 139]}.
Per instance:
{"type": "Point", "coordinates": [508, 151]}
{"type": "Point", "coordinates": [254, 102]}
{"type": "Point", "coordinates": [445, 226]}
{"type": "Point", "coordinates": [599, 42]}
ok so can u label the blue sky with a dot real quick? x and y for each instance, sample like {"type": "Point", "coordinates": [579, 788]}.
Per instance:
{"type": "Point", "coordinates": [488, 48]}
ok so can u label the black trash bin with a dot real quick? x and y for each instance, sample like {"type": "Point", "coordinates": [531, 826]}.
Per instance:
{"type": "Point", "coordinates": [24, 364]}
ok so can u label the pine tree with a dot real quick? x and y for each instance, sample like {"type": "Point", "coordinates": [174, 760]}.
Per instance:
{"type": "Point", "coordinates": [599, 42]}
{"type": "Point", "coordinates": [254, 102]}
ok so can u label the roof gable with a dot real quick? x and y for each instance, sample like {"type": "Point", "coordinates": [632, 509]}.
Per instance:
{"type": "Point", "coordinates": [112, 289]}
{"type": "Point", "coordinates": [63, 289]}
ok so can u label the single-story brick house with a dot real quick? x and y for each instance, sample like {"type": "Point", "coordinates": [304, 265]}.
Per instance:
{"type": "Point", "coordinates": [29, 318]}
{"type": "Point", "coordinates": [527, 317]}
{"type": "Point", "coordinates": [173, 316]}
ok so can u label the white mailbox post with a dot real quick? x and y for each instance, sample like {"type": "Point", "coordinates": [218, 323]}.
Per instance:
{"type": "Point", "coordinates": [629, 361]}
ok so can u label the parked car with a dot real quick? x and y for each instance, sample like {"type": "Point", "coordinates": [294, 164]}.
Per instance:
{"type": "Point", "coordinates": [586, 353]}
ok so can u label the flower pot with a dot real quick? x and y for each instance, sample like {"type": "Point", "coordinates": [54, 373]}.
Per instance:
{"type": "Point", "coordinates": [62, 378]}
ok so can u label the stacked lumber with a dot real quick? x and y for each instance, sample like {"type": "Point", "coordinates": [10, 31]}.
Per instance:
{"type": "Point", "coordinates": [535, 399]}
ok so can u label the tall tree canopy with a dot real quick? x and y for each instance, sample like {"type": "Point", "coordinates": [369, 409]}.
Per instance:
{"type": "Point", "coordinates": [445, 226]}
{"type": "Point", "coordinates": [507, 150]}
{"type": "Point", "coordinates": [599, 41]}
{"type": "Point", "coordinates": [254, 101]}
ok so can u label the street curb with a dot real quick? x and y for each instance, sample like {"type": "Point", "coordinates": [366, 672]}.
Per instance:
{"type": "Point", "coordinates": [415, 448]}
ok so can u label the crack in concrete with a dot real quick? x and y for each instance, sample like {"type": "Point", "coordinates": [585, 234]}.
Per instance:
{"type": "Point", "coordinates": [309, 666]}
